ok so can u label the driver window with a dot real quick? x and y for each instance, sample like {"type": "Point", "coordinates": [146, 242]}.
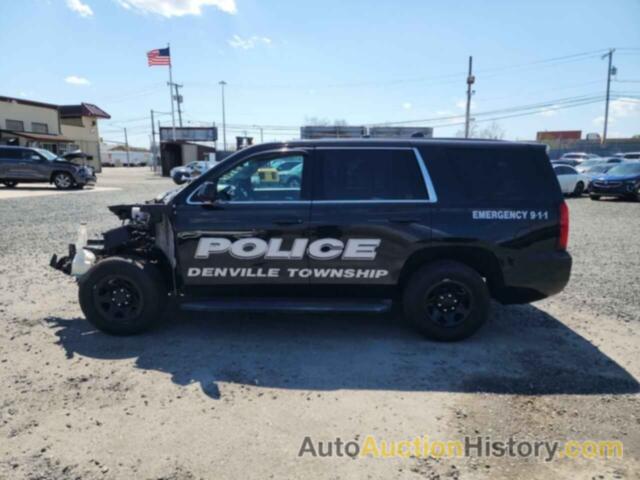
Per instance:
{"type": "Point", "coordinates": [260, 179]}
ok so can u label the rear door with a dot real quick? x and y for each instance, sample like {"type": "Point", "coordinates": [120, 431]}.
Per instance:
{"type": "Point", "coordinates": [28, 165]}
{"type": "Point", "coordinates": [256, 234]}
{"type": "Point", "coordinates": [371, 208]}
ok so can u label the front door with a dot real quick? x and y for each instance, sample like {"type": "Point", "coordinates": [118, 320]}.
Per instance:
{"type": "Point", "coordinates": [256, 232]}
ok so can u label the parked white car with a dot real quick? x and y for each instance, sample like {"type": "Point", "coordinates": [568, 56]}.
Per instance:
{"type": "Point", "coordinates": [629, 155]}
{"type": "Point", "coordinates": [571, 181]}
{"type": "Point", "coordinates": [579, 156]}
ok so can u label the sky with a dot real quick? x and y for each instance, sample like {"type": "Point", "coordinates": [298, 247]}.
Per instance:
{"type": "Point", "coordinates": [537, 64]}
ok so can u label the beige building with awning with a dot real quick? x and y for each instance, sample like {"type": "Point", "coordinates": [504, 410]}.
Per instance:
{"type": "Point", "coordinates": [59, 129]}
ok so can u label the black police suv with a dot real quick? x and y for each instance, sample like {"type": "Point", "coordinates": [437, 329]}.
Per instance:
{"type": "Point", "coordinates": [622, 181]}
{"type": "Point", "coordinates": [437, 226]}
{"type": "Point", "coordinates": [35, 165]}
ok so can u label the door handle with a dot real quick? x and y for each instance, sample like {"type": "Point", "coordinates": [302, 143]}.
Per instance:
{"type": "Point", "coordinates": [403, 220]}
{"type": "Point", "coordinates": [288, 221]}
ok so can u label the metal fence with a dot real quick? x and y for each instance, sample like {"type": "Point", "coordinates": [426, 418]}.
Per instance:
{"type": "Point", "coordinates": [557, 149]}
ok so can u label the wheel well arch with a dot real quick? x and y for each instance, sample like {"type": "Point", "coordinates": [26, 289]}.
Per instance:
{"type": "Point", "coordinates": [154, 256]}
{"type": "Point", "coordinates": [479, 259]}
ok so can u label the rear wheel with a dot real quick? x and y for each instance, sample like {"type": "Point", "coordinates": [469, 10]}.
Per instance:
{"type": "Point", "coordinates": [63, 180]}
{"type": "Point", "coordinates": [122, 296]}
{"type": "Point", "coordinates": [446, 301]}
{"type": "Point", "coordinates": [10, 183]}
{"type": "Point", "coordinates": [579, 189]}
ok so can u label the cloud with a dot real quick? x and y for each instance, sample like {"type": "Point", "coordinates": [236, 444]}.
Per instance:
{"type": "Point", "coordinates": [80, 8]}
{"type": "Point", "coordinates": [407, 105]}
{"type": "Point", "coordinates": [619, 109]}
{"type": "Point", "coordinates": [549, 111]}
{"type": "Point", "coordinates": [624, 107]}
{"type": "Point", "coordinates": [75, 80]}
{"type": "Point", "coordinates": [249, 42]}
{"type": "Point", "coordinates": [178, 8]}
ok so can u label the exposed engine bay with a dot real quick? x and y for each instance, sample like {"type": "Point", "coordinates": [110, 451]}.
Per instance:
{"type": "Point", "coordinates": [145, 233]}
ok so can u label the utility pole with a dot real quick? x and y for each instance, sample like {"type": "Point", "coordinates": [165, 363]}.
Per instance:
{"type": "Point", "coordinates": [126, 146]}
{"type": "Point", "coordinates": [179, 102]}
{"type": "Point", "coordinates": [261, 135]}
{"type": "Point", "coordinates": [470, 81]}
{"type": "Point", "coordinates": [610, 71]}
{"type": "Point", "coordinates": [153, 141]}
{"type": "Point", "coordinates": [224, 120]}
{"type": "Point", "coordinates": [173, 113]}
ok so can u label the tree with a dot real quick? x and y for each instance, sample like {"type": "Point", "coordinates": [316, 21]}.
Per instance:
{"type": "Point", "coordinates": [492, 131]}
{"type": "Point", "coordinates": [324, 122]}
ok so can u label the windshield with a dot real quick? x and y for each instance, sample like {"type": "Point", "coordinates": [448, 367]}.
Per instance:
{"type": "Point", "coordinates": [591, 162]}
{"type": "Point", "coordinates": [166, 197]}
{"type": "Point", "coordinates": [626, 169]}
{"type": "Point", "coordinates": [46, 153]}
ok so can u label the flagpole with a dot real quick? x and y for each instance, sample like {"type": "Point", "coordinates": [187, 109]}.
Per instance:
{"type": "Point", "coordinates": [173, 113]}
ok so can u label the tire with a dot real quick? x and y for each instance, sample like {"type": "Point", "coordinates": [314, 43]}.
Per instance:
{"type": "Point", "coordinates": [63, 180]}
{"type": "Point", "coordinates": [10, 183]}
{"type": "Point", "coordinates": [464, 296]}
{"type": "Point", "coordinates": [122, 296]}
{"type": "Point", "coordinates": [579, 189]}
{"type": "Point", "coordinates": [594, 197]}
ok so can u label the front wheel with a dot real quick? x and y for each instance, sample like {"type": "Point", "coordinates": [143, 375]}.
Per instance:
{"type": "Point", "coordinates": [446, 301]}
{"type": "Point", "coordinates": [63, 181]}
{"type": "Point", "coordinates": [594, 197]}
{"type": "Point", "coordinates": [122, 296]}
{"type": "Point", "coordinates": [579, 189]}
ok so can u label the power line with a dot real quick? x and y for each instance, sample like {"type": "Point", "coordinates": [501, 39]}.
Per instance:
{"type": "Point", "coordinates": [432, 80]}
{"type": "Point", "coordinates": [524, 114]}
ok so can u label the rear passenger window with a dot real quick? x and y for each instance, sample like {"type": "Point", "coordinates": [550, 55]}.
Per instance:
{"type": "Point", "coordinates": [369, 174]}
{"type": "Point", "coordinates": [499, 173]}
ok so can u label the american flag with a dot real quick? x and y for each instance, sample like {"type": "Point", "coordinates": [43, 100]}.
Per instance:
{"type": "Point", "coordinates": [159, 56]}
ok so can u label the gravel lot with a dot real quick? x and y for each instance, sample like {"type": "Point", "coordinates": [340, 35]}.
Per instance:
{"type": "Point", "coordinates": [234, 396]}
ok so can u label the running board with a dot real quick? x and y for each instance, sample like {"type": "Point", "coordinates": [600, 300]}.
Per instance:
{"type": "Point", "coordinates": [288, 305]}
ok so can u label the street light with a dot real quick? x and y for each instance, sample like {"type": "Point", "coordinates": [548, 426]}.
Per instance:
{"type": "Point", "coordinates": [222, 83]}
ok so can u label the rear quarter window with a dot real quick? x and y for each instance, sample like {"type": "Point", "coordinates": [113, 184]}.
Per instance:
{"type": "Point", "coordinates": [11, 153]}
{"type": "Point", "coordinates": [477, 175]}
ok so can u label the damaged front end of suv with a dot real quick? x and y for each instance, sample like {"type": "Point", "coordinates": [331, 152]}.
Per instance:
{"type": "Point", "coordinates": [125, 277]}
{"type": "Point", "coordinates": [145, 234]}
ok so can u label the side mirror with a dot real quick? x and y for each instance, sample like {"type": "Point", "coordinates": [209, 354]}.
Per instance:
{"type": "Point", "coordinates": [36, 158]}
{"type": "Point", "coordinates": [209, 193]}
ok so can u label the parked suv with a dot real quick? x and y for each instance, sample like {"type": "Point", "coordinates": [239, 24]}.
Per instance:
{"type": "Point", "coordinates": [438, 227]}
{"type": "Point", "coordinates": [29, 165]}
